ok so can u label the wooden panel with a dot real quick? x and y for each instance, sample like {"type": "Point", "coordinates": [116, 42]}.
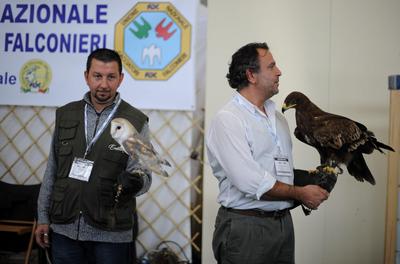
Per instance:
{"type": "Point", "coordinates": [14, 226]}
{"type": "Point", "coordinates": [393, 178]}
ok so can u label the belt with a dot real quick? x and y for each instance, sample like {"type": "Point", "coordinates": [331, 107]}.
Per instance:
{"type": "Point", "coordinates": [258, 212]}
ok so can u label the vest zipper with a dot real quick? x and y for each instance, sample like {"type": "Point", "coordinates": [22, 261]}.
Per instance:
{"type": "Point", "coordinates": [114, 209]}
{"type": "Point", "coordinates": [79, 225]}
{"type": "Point", "coordinates": [97, 123]}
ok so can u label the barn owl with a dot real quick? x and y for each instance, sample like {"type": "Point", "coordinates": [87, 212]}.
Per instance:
{"type": "Point", "coordinates": [131, 143]}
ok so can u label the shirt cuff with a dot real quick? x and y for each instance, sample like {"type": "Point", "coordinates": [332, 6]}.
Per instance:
{"type": "Point", "coordinates": [267, 183]}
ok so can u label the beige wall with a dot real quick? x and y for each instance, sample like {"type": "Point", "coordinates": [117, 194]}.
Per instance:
{"type": "Point", "coordinates": [339, 53]}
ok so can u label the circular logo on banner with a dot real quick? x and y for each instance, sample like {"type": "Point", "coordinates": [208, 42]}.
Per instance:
{"type": "Point", "coordinates": [153, 40]}
{"type": "Point", "coordinates": [35, 76]}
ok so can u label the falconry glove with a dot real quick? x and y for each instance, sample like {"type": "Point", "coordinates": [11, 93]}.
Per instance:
{"type": "Point", "coordinates": [321, 177]}
{"type": "Point", "coordinates": [324, 179]}
{"type": "Point", "coordinates": [128, 185]}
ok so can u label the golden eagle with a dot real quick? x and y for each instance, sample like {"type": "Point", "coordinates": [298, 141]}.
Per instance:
{"type": "Point", "coordinates": [339, 140]}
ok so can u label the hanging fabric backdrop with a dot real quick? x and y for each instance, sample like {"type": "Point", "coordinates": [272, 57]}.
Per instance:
{"type": "Point", "coordinates": [44, 46]}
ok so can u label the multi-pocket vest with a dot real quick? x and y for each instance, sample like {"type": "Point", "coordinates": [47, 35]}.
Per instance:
{"type": "Point", "coordinates": [93, 199]}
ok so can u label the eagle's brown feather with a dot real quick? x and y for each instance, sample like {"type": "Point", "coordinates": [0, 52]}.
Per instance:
{"type": "Point", "coordinates": [338, 139]}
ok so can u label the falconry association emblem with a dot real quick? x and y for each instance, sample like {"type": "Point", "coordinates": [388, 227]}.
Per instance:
{"type": "Point", "coordinates": [153, 40]}
{"type": "Point", "coordinates": [35, 76]}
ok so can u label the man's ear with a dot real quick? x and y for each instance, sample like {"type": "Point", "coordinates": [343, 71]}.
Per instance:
{"type": "Point", "coordinates": [250, 76]}
{"type": "Point", "coordinates": [85, 74]}
{"type": "Point", "coordinates": [121, 78]}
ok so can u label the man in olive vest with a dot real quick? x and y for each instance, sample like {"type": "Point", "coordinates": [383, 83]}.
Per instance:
{"type": "Point", "coordinates": [82, 214]}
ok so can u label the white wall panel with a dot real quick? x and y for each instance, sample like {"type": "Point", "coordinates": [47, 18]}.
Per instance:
{"type": "Point", "coordinates": [339, 53]}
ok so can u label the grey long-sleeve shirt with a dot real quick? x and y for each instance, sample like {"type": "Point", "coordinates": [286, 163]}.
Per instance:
{"type": "Point", "coordinates": [80, 230]}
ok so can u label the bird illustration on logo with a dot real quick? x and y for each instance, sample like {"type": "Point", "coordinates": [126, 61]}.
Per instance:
{"type": "Point", "coordinates": [142, 30]}
{"type": "Point", "coordinates": [152, 52]}
{"type": "Point", "coordinates": [162, 32]}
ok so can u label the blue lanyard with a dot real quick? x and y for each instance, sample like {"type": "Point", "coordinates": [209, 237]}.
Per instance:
{"type": "Point", "coordinates": [100, 131]}
{"type": "Point", "coordinates": [274, 134]}
{"type": "Point", "coordinates": [241, 101]}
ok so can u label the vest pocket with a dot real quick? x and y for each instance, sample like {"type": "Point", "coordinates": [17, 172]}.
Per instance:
{"type": "Point", "coordinates": [57, 199]}
{"type": "Point", "coordinates": [114, 215]}
{"type": "Point", "coordinates": [106, 195]}
{"type": "Point", "coordinates": [118, 158]}
{"type": "Point", "coordinates": [111, 165]}
{"type": "Point", "coordinates": [64, 161]}
{"type": "Point", "coordinates": [67, 130]}
{"type": "Point", "coordinates": [107, 192]}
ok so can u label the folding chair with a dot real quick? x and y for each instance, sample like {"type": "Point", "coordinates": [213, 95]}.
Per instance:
{"type": "Point", "coordinates": [18, 204]}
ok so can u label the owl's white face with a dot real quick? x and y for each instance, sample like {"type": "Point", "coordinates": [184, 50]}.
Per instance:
{"type": "Point", "coordinates": [120, 130]}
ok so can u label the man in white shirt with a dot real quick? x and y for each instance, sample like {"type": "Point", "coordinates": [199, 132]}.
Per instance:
{"type": "Point", "coordinates": [250, 153]}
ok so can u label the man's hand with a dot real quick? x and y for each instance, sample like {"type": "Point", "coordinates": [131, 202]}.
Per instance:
{"type": "Point", "coordinates": [326, 179]}
{"type": "Point", "coordinates": [42, 235]}
{"type": "Point", "coordinates": [311, 195]}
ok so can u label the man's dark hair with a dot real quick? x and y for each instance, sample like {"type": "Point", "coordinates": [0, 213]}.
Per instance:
{"type": "Point", "coordinates": [244, 58]}
{"type": "Point", "coordinates": [104, 55]}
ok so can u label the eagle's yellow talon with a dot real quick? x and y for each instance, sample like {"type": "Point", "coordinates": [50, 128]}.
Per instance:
{"type": "Point", "coordinates": [329, 169]}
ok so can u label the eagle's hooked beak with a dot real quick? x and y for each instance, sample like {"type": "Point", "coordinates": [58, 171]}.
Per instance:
{"type": "Point", "coordinates": [286, 107]}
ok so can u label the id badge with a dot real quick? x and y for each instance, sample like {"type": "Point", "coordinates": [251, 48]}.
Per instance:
{"type": "Point", "coordinates": [282, 166]}
{"type": "Point", "coordinates": [81, 169]}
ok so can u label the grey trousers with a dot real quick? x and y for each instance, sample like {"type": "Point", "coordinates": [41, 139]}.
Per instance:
{"type": "Point", "coordinates": [240, 239]}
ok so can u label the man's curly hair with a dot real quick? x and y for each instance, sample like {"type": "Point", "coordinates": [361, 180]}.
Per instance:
{"type": "Point", "coordinates": [244, 58]}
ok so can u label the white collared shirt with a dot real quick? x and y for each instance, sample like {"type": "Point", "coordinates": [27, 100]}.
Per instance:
{"type": "Point", "coordinates": [241, 145]}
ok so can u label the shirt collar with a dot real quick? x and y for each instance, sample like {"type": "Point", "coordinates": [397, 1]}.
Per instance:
{"type": "Point", "coordinates": [268, 104]}
{"type": "Point", "coordinates": [87, 100]}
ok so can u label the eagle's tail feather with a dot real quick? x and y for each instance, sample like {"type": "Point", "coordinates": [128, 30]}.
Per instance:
{"type": "Point", "coordinates": [359, 169]}
{"type": "Point", "coordinates": [380, 145]}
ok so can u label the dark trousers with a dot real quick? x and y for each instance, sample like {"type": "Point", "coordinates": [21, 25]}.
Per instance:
{"type": "Point", "coordinates": [242, 239]}
{"type": "Point", "coordinates": [68, 251]}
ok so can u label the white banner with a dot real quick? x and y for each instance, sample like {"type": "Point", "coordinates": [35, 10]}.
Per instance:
{"type": "Point", "coordinates": [44, 46]}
